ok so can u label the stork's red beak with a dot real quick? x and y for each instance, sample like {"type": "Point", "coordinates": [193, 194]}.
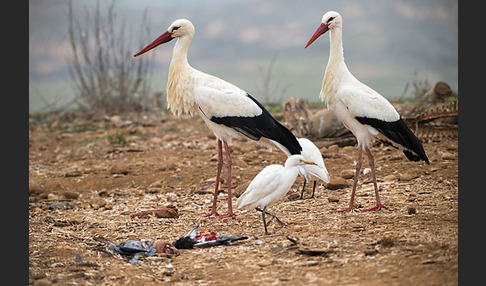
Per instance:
{"type": "Point", "coordinates": [320, 30]}
{"type": "Point", "coordinates": [164, 38]}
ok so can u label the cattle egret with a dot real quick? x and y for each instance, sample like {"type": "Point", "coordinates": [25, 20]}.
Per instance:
{"type": "Point", "coordinates": [311, 172]}
{"type": "Point", "coordinates": [270, 185]}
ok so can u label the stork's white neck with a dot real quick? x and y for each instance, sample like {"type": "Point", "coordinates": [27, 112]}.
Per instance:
{"type": "Point", "coordinates": [336, 69]}
{"type": "Point", "coordinates": [179, 56]}
{"type": "Point", "coordinates": [336, 54]}
{"type": "Point", "coordinates": [179, 84]}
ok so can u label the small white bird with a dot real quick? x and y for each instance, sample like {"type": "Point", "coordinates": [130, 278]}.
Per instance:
{"type": "Point", "coordinates": [362, 110]}
{"type": "Point", "coordinates": [226, 109]}
{"type": "Point", "coordinates": [311, 172]}
{"type": "Point", "coordinates": [270, 185]}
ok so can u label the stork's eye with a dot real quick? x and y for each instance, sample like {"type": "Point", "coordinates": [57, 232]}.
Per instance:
{"type": "Point", "coordinates": [174, 29]}
{"type": "Point", "coordinates": [330, 19]}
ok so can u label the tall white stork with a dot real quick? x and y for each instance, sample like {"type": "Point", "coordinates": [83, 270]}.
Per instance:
{"type": "Point", "coordinates": [362, 110]}
{"type": "Point", "coordinates": [224, 107]}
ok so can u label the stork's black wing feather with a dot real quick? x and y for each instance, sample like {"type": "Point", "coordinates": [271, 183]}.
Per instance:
{"type": "Point", "coordinates": [399, 133]}
{"type": "Point", "coordinates": [263, 125]}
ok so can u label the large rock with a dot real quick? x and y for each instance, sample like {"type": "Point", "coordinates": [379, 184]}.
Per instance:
{"type": "Point", "coordinates": [324, 123]}
{"type": "Point", "coordinates": [433, 97]}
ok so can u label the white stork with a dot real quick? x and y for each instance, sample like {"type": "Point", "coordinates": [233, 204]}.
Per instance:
{"type": "Point", "coordinates": [362, 110]}
{"type": "Point", "coordinates": [224, 107]}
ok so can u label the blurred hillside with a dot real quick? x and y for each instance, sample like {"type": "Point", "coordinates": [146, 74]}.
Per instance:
{"type": "Point", "coordinates": [386, 43]}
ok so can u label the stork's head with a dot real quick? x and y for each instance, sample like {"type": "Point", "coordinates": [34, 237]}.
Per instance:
{"type": "Point", "coordinates": [330, 20]}
{"type": "Point", "coordinates": [179, 28]}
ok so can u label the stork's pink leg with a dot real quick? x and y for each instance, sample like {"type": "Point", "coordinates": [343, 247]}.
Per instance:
{"type": "Point", "coordinates": [218, 174]}
{"type": "Point", "coordinates": [229, 166]}
{"type": "Point", "coordinates": [356, 177]}
{"type": "Point", "coordinates": [378, 206]}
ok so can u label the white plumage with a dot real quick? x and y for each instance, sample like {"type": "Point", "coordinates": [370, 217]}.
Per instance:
{"type": "Point", "coordinates": [316, 172]}
{"type": "Point", "coordinates": [226, 109]}
{"type": "Point", "coordinates": [271, 184]}
{"type": "Point", "coordinates": [362, 110]}
{"type": "Point", "coordinates": [313, 173]}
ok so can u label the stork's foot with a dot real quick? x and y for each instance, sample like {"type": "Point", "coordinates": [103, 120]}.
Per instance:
{"type": "Point", "coordinates": [375, 208]}
{"type": "Point", "coordinates": [228, 214]}
{"type": "Point", "coordinates": [213, 212]}
{"type": "Point", "coordinates": [345, 210]}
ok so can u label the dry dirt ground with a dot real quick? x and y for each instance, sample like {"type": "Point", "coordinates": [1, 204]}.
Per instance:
{"type": "Point", "coordinates": [87, 177]}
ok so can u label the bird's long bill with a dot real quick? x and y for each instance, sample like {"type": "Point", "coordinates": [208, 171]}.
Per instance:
{"type": "Point", "coordinates": [308, 162]}
{"type": "Point", "coordinates": [164, 38]}
{"type": "Point", "coordinates": [320, 30]}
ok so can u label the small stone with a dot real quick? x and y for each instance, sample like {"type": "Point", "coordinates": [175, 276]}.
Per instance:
{"type": "Point", "coordinates": [157, 184]}
{"type": "Point", "coordinates": [333, 199]}
{"type": "Point", "coordinates": [264, 263]}
{"type": "Point", "coordinates": [120, 168]}
{"type": "Point", "coordinates": [156, 140]}
{"type": "Point", "coordinates": [337, 183]}
{"type": "Point", "coordinates": [408, 177]}
{"type": "Point", "coordinates": [70, 195]}
{"type": "Point", "coordinates": [152, 190]}
{"type": "Point", "coordinates": [52, 197]}
{"type": "Point", "coordinates": [73, 173]}
{"type": "Point", "coordinates": [42, 282]}
{"type": "Point", "coordinates": [170, 211]}
{"type": "Point", "coordinates": [389, 178]}
{"type": "Point", "coordinates": [97, 203]}
{"type": "Point", "coordinates": [293, 196]}
{"type": "Point", "coordinates": [448, 156]}
{"type": "Point", "coordinates": [411, 210]}
{"type": "Point", "coordinates": [347, 174]}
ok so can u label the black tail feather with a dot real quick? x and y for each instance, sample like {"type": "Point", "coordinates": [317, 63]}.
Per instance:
{"type": "Point", "coordinates": [398, 132]}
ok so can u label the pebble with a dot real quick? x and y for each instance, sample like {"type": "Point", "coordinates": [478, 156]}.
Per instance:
{"type": "Point", "coordinates": [70, 195]}
{"type": "Point", "coordinates": [333, 199]}
{"type": "Point", "coordinates": [264, 263]}
{"type": "Point", "coordinates": [42, 282]}
{"type": "Point", "coordinates": [156, 140]}
{"type": "Point", "coordinates": [347, 174]}
{"type": "Point", "coordinates": [73, 173]}
{"type": "Point", "coordinates": [120, 168]}
{"type": "Point", "coordinates": [411, 210]}
{"type": "Point", "coordinates": [337, 183]}
{"type": "Point", "coordinates": [389, 178]}
{"type": "Point", "coordinates": [52, 197]}
{"type": "Point", "coordinates": [407, 177]}
{"type": "Point", "coordinates": [97, 203]}
{"type": "Point", "coordinates": [448, 156]}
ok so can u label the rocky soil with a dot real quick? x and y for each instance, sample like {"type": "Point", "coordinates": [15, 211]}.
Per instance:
{"type": "Point", "coordinates": [87, 178]}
